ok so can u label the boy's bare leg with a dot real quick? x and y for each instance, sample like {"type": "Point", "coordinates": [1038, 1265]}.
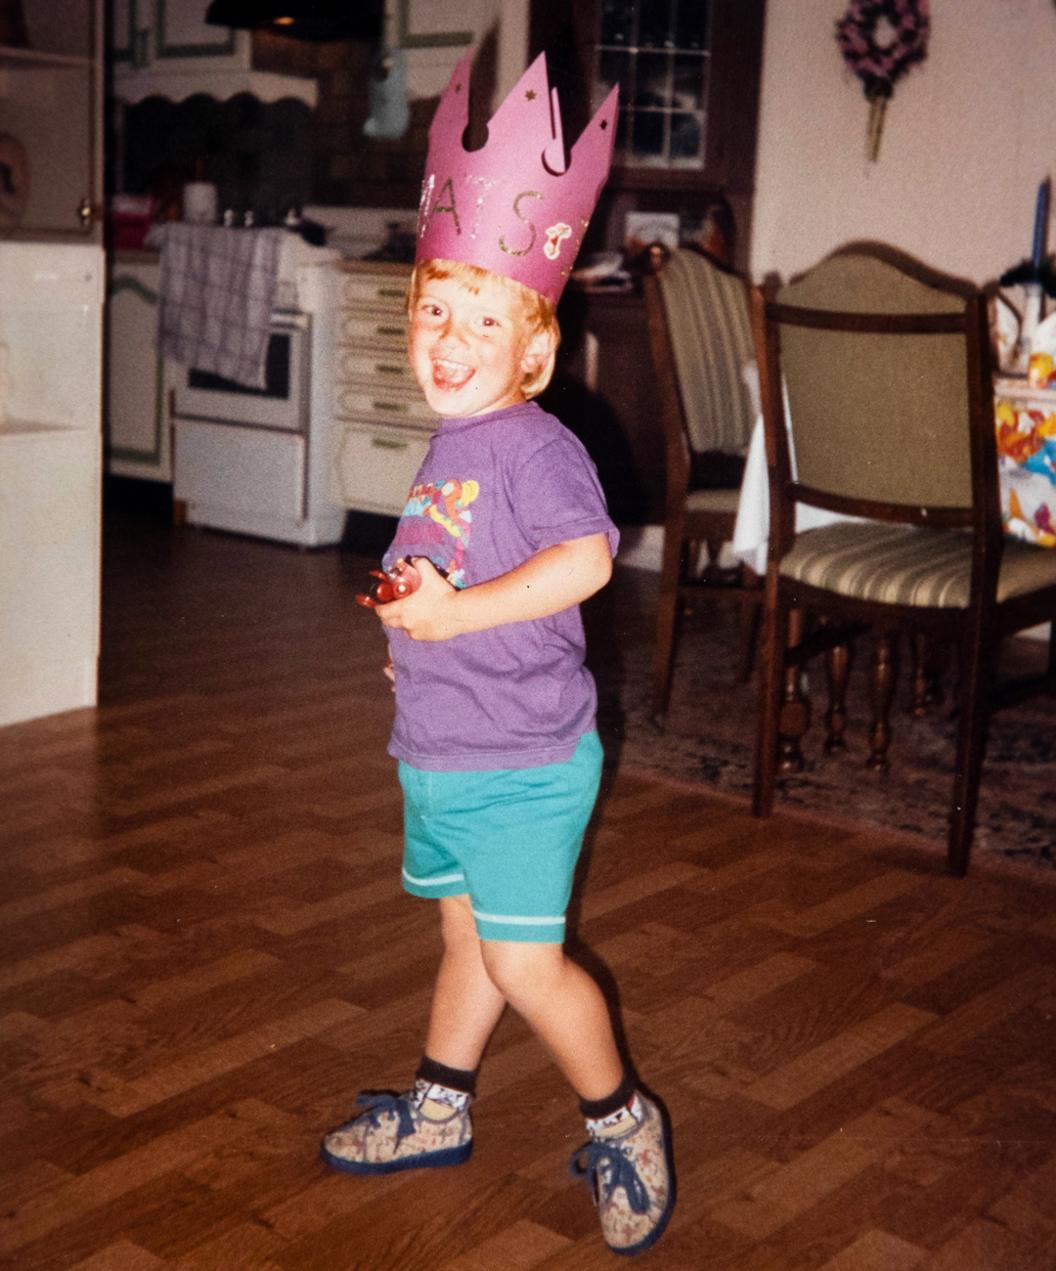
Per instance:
{"type": "Point", "coordinates": [565, 1008]}
{"type": "Point", "coordinates": [466, 1004]}
{"type": "Point", "coordinates": [559, 1001]}
{"type": "Point", "coordinates": [626, 1159]}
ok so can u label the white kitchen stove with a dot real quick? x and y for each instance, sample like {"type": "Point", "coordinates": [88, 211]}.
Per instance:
{"type": "Point", "coordinates": [257, 461]}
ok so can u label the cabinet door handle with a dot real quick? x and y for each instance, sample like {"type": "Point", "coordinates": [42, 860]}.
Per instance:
{"type": "Point", "coordinates": [383, 443]}
{"type": "Point", "coordinates": [87, 213]}
{"type": "Point", "coordinates": [395, 408]}
{"type": "Point", "coordinates": [389, 330]}
{"type": "Point", "coordinates": [391, 293]}
{"type": "Point", "coordinates": [382, 369]}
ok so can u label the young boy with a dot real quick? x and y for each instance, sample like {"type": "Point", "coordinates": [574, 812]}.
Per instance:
{"type": "Point", "coordinates": [494, 732]}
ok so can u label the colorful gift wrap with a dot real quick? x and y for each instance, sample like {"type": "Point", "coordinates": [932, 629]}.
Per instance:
{"type": "Point", "coordinates": [1025, 419]}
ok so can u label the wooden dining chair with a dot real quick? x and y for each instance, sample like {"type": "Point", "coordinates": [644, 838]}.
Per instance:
{"type": "Point", "coordinates": [701, 340]}
{"type": "Point", "coordinates": [877, 402]}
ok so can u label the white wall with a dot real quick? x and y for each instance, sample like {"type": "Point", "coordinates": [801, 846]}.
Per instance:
{"type": "Point", "coordinates": [968, 135]}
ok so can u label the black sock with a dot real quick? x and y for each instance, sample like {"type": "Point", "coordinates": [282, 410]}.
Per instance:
{"type": "Point", "coordinates": [595, 1109]}
{"type": "Point", "coordinates": [441, 1075]}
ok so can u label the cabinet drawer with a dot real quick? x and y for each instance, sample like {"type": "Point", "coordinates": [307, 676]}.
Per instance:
{"type": "Point", "coordinates": [377, 367]}
{"type": "Point", "coordinates": [370, 291]}
{"type": "Point", "coordinates": [374, 468]}
{"type": "Point", "coordinates": [382, 403]}
{"type": "Point", "coordinates": [381, 330]}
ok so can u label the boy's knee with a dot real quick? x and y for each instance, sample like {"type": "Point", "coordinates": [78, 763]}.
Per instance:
{"type": "Point", "coordinates": [457, 927]}
{"type": "Point", "coordinates": [519, 968]}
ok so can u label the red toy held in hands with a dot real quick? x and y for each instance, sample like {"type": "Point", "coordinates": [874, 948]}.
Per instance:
{"type": "Point", "coordinates": [398, 582]}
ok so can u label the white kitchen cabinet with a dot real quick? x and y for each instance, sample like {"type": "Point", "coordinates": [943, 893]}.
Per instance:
{"type": "Point", "coordinates": [50, 477]}
{"type": "Point", "coordinates": [382, 422]}
{"type": "Point", "coordinates": [374, 467]}
{"type": "Point", "coordinates": [50, 108]}
{"type": "Point", "coordinates": [138, 428]}
{"type": "Point", "coordinates": [166, 48]}
{"type": "Point", "coordinates": [51, 304]}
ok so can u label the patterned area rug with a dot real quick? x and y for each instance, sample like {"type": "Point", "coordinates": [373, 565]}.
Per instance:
{"type": "Point", "coordinates": [709, 735]}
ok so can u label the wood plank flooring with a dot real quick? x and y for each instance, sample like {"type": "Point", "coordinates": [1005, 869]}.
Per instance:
{"type": "Point", "coordinates": [206, 954]}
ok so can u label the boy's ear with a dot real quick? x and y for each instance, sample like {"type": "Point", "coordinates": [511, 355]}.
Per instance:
{"type": "Point", "coordinates": [538, 349]}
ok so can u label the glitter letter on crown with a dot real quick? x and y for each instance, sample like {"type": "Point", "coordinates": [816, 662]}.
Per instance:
{"type": "Point", "coordinates": [510, 207]}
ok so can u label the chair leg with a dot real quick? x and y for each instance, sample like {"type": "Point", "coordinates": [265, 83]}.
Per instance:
{"type": "Point", "coordinates": [751, 620]}
{"type": "Point", "coordinates": [713, 573]}
{"type": "Point", "coordinates": [666, 621]}
{"type": "Point", "coordinates": [837, 668]}
{"type": "Point", "coordinates": [882, 691]}
{"type": "Point", "coordinates": [975, 657]}
{"type": "Point", "coordinates": [927, 675]}
{"type": "Point", "coordinates": [795, 708]}
{"type": "Point", "coordinates": [771, 684]}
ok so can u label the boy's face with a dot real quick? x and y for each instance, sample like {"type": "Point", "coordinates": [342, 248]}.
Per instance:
{"type": "Point", "coordinates": [471, 349]}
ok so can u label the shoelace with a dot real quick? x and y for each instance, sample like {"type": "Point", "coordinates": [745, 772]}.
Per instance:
{"type": "Point", "coordinates": [379, 1103]}
{"type": "Point", "coordinates": [596, 1156]}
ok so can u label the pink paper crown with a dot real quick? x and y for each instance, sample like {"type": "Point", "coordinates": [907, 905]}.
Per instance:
{"type": "Point", "coordinates": [511, 207]}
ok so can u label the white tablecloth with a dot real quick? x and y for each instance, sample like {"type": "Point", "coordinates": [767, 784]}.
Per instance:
{"type": "Point", "coordinates": [751, 534]}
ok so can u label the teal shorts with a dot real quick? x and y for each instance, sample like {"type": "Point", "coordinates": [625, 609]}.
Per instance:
{"type": "Point", "coordinates": [508, 839]}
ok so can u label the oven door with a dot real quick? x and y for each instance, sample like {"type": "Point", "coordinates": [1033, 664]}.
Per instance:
{"type": "Point", "coordinates": [281, 403]}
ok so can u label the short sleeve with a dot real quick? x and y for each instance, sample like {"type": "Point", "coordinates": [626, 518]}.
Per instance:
{"type": "Point", "coordinates": [560, 496]}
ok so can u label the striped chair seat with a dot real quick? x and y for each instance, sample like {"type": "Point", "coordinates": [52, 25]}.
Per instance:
{"type": "Point", "coordinates": [900, 565]}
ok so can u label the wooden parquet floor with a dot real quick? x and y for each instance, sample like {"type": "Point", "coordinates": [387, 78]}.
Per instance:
{"type": "Point", "coordinates": [206, 954]}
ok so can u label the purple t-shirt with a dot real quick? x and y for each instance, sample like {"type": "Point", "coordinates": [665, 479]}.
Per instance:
{"type": "Point", "coordinates": [493, 491]}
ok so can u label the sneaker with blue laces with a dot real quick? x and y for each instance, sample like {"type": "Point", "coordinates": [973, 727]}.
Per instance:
{"type": "Point", "coordinates": [394, 1133]}
{"type": "Point", "coordinates": [632, 1179]}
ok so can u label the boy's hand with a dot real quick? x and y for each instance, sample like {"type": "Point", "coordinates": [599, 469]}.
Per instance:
{"type": "Point", "coordinates": [552, 580]}
{"type": "Point", "coordinates": [428, 612]}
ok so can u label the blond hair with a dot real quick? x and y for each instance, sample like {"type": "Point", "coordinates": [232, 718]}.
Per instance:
{"type": "Point", "coordinates": [537, 311]}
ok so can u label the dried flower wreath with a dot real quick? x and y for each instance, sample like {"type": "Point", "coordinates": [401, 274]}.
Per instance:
{"type": "Point", "coordinates": [880, 65]}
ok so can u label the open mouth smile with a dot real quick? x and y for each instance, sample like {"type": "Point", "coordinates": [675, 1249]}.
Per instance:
{"type": "Point", "coordinates": [451, 376]}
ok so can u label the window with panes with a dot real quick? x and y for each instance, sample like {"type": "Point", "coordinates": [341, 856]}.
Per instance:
{"type": "Point", "coordinates": [659, 53]}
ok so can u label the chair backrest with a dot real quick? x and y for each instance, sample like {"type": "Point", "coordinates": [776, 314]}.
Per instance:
{"type": "Point", "coordinates": [884, 383]}
{"type": "Point", "coordinates": [710, 334]}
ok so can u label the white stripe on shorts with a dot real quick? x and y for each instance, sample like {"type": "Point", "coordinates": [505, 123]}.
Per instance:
{"type": "Point", "coordinates": [434, 882]}
{"type": "Point", "coordinates": [515, 921]}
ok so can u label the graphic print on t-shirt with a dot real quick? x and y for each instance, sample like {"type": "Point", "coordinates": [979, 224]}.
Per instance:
{"type": "Point", "coordinates": [437, 522]}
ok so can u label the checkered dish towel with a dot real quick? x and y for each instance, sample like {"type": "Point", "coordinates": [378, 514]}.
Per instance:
{"type": "Point", "coordinates": [217, 290]}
